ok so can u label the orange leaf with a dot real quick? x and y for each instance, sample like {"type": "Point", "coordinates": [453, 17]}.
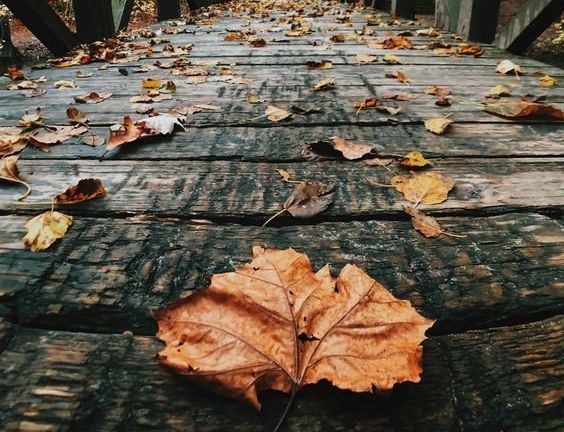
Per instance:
{"type": "Point", "coordinates": [84, 190]}
{"type": "Point", "coordinates": [520, 109]}
{"type": "Point", "coordinates": [275, 324]}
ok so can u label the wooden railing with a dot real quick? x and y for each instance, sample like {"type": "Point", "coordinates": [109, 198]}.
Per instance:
{"type": "Point", "coordinates": [95, 19]}
{"type": "Point", "coordinates": [477, 20]}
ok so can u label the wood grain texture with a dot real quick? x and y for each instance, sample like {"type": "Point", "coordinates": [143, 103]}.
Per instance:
{"type": "Point", "coordinates": [233, 189]}
{"type": "Point", "coordinates": [106, 275]}
{"type": "Point", "coordinates": [497, 379]}
{"type": "Point", "coordinates": [281, 144]}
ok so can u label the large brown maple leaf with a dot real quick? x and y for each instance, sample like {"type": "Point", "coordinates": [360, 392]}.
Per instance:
{"type": "Point", "coordinates": [275, 324]}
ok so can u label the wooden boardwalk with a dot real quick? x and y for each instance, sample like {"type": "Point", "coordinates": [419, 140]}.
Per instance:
{"type": "Point", "coordinates": [182, 208]}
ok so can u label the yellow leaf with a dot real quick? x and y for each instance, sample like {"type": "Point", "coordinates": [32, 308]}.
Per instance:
{"type": "Point", "coordinates": [392, 59]}
{"type": "Point", "coordinates": [500, 90]}
{"type": "Point", "coordinates": [426, 188]}
{"type": "Point", "coordinates": [43, 230]}
{"type": "Point", "coordinates": [414, 159]}
{"type": "Point", "coordinates": [277, 114]}
{"type": "Point", "coordinates": [547, 81]}
{"type": "Point", "coordinates": [151, 83]}
{"type": "Point", "coordinates": [324, 84]}
{"type": "Point", "coordinates": [438, 125]}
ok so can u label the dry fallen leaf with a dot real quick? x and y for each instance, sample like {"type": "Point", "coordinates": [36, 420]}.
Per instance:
{"type": "Point", "coordinates": [392, 59]}
{"type": "Point", "coordinates": [23, 85]}
{"type": "Point", "coordinates": [324, 84]}
{"type": "Point", "coordinates": [337, 38]}
{"type": "Point", "coordinates": [438, 125]}
{"type": "Point", "coordinates": [253, 98]}
{"type": "Point", "coordinates": [426, 187]}
{"type": "Point", "coordinates": [307, 200]}
{"type": "Point", "coordinates": [506, 66]}
{"type": "Point", "coordinates": [151, 83]}
{"type": "Point", "coordinates": [32, 119]}
{"type": "Point", "coordinates": [9, 172]}
{"type": "Point", "coordinates": [349, 150]}
{"type": "Point", "coordinates": [275, 324]}
{"type": "Point", "coordinates": [436, 91]}
{"type": "Point", "coordinates": [76, 116]}
{"type": "Point", "coordinates": [500, 90]}
{"type": "Point", "coordinates": [162, 124]}
{"type": "Point", "coordinates": [521, 109]}
{"type": "Point", "coordinates": [277, 114]}
{"type": "Point", "coordinates": [398, 96]}
{"type": "Point", "coordinates": [92, 97]}
{"type": "Point", "coordinates": [64, 84]}
{"type": "Point", "coordinates": [426, 225]}
{"type": "Point", "coordinates": [256, 42]}
{"type": "Point", "coordinates": [371, 102]}
{"type": "Point", "coordinates": [414, 159]}
{"type": "Point", "coordinates": [319, 65]}
{"type": "Point", "coordinates": [397, 42]}
{"type": "Point", "coordinates": [470, 49]}
{"type": "Point", "coordinates": [15, 74]}
{"type": "Point", "coordinates": [80, 74]}
{"type": "Point", "coordinates": [400, 76]}
{"type": "Point", "coordinates": [365, 58]}
{"type": "Point", "coordinates": [84, 190]}
{"type": "Point", "coordinates": [43, 230]}
{"type": "Point", "coordinates": [547, 81]}
{"type": "Point", "coordinates": [55, 135]}
{"type": "Point", "coordinates": [11, 141]}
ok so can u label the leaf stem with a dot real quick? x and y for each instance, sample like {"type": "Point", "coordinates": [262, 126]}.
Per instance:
{"type": "Point", "coordinates": [27, 192]}
{"type": "Point", "coordinates": [287, 409]}
{"type": "Point", "coordinates": [273, 217]}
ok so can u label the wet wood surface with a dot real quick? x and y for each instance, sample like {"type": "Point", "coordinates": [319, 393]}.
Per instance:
{"type": "Point", "coordinates": [77, 341]}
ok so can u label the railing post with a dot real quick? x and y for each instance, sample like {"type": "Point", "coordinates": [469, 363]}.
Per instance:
{"type": "Point", "coordinates": [100, 19]}
{"type": "Point", "coordinates": [44, 23]}
{"type": "Point", "coordinates": [403, 8]}
{"type": "Point", "coordinates": [168, 9]}
{"type": "Point", "coordinates": [477, 19]}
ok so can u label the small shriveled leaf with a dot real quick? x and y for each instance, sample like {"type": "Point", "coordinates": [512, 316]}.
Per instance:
{"type": "Point", "coordinates": [349, 150]}
{"type": "Point", "coordinates": [43, 230]}
{"type": "Point", "coordinates": [324, 84]}
{"type": "Point", "coordinates": [392, 59]}
{"type": "Point", "coordinates": [32, 119]}
{"type": "Point", "coordinates": [256, 42]}
{"type": "Point", "coordinates": [151, 83]}
{"type": "Point", "coordinates": [15, 74]}
{"type": "Point", "coordinates": [23, 85]}
{"type": "Point", "coordinates": [162, 124]}
{"type": "Point", "coordinates": [522, 109]}
{"type": "Point", "coordinates": [547, 81]}
{"type": "Point", "coordinates": [398, 96]}
{"type": "Point", "coordinates": [93, 97]}
{"type": "Point", "coordinates": [414, 159]}
{"type": "Point", "coordinates": [11, 141]}
{"type": "Point", "coordinates": [253, 98]}
{"type": "Point", "coordinates": [65, 84]}
{"type": "Point", "coordinates": [426, 225]}
{"type": "Point", "coordinates": [500, 90]}
{"type": "Point", "coordinates": [76, 116]}
{"type": "Point", "coordinates": [426, 187]}
{"type": "Point", "coordinates": [80, 74]}
{"type": "Point", "coordinates": [470, 49]}
{"type": "Point", "coordinates": [84, 190]}
{"type": "Point", "coordinates": [277, 114]}
{"type": "Point", "coordinates": [365, 58]}
{"type": "Point", "coordinates": [438, 125]}
{"type": "Point", "coordinates": [337, 38]}
{"type": "Point", "coordinates": [9, 172]}
{"type": "Point", "coordinates": [507, 66]}
{"type": "Point", "coordinates": [436, 91]}
{"type": "Point", "coordinates": [309, 199]}
{"type": "Point", "coordinates": [275, 324]}
{"type": "Point", "coordinates": [319, 65]}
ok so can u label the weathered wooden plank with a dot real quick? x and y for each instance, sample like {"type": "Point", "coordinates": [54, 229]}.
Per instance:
{"type": "Point", "coordinates": [106, 275]}
{"type": "Point", "coordinates": [256, 143]}
{"type": "Point", "coordinates": [58, 380]}
{"type": "Point", "coordinates": [49, 28]}
{"type": "Point", "coordinates": [531, 20]}
{"type": "Point", "coordinates": [216, 189]}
